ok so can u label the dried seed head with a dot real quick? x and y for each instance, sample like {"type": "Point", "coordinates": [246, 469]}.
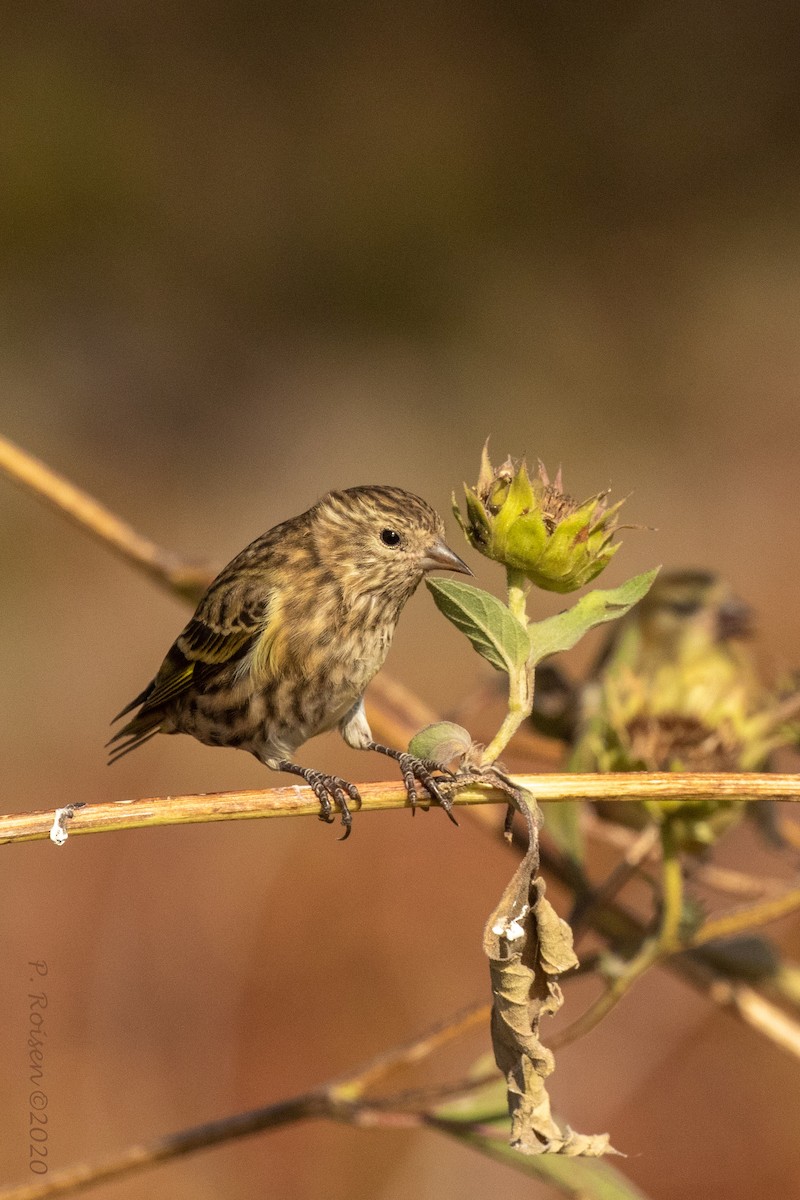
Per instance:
{"type": "Point", "coordinates": [534, 526]}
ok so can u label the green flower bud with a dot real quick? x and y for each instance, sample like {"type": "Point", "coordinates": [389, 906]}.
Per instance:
{"type": "Point", "coordinates": [533, 526]}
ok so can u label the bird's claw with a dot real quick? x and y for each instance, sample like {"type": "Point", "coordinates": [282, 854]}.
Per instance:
{"type": "Point", "coordinates": [340, 789]}
{"type": "Point", "coordinates": [330, 790]}
{"type": "Point", "coordinates": [420, 770]}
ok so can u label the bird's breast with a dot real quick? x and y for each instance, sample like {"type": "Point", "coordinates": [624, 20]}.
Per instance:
{"type": "Point", "coordinates": [256, 706]}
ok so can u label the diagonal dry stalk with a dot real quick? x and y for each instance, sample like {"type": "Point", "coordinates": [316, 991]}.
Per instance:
{"type": "Point", "coordinates": [324, 1102]}
{"type": "Point", "coordinates": [188, 580]}
{"type": "Point", "coordinates": [341, 1099]}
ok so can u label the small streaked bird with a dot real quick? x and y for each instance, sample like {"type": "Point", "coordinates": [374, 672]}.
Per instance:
{"type": "Point", "coordinates": [674, 688]}
{"type": "Point", "coordinates": [675, 684]}
{"type": "Point", "coordinates": [284, 642]}
{"type": "Point", "coordinates": [678, 688]}
{"type": "Point", "coordinates": [679, 651]}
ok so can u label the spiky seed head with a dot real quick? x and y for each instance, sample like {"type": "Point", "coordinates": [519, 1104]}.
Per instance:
{"type": "Point", "coordinates": [533, 526]}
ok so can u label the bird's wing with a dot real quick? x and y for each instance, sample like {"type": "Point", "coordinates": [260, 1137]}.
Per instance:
{"type": "Point", "coordinates": [211, 639]}
{"type": "Point", "coordinates": [238, 621]}
{"type": "Point", "coordinates": [224, 628]}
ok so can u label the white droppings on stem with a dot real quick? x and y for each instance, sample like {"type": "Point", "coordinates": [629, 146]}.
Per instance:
{"type": "Point", "coordinates": [58, 830]}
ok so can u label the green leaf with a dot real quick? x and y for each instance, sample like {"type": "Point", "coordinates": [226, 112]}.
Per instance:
{"type": "Point", "coordinates": [491, 627]}
{"type": "Point", "coordinates": [562, 631]}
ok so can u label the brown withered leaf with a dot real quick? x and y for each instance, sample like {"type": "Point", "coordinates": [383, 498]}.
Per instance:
{"type": "Point", "coordinates": [529, 946]}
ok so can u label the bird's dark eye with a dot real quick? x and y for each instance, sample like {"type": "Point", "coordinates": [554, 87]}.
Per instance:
{"type": "Point", "coordinates": [684, 608]}
{"type": "Point", "coordinates": [390, 537]}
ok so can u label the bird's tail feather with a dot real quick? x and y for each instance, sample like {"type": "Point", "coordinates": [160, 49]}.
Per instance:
{"type": "Point", "coordinates": [140, 700]}
{"type": "Point", "coordinates": [138, 730]}
{"type": "Point", "coordinates": [136, 738]}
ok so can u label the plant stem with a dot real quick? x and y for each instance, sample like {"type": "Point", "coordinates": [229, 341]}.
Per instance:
{"type": "Point", "coordinates": [520, 680]}
{"type": "Point", "coordinates": [750, 917]}
{"type": "Point", "coordinates": [518, 587]}
{"type": "Point", "coordinates": [665, 942]}
{"type": "Point", "coordinates": [622, 873]}
{"type": "Point", "coordinates": [520, 698]}
{"type": "Point", "coordinates": [672, 896]}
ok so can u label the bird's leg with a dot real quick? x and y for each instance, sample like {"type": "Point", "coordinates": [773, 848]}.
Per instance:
{"type": "Point", "coordinates": [325, 788]}
{"type": "Point", "coordinates": [355, 730]}
{"type": "Point", "coordinates": [419, 769]}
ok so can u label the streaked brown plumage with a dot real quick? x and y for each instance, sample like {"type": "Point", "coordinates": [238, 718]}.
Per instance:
{"type": "Point", "coordinates": [289, 634]}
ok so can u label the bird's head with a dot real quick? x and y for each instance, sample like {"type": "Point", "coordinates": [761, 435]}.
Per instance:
{"type": "Point", "coordinates": [381, 540]}
{"type": "Point", "coordinates": [693, 611]}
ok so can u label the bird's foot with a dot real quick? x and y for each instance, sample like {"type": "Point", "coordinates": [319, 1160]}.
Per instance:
{"type": "Point", "coordinates": [330, 790]}
{"type": "Point", "coordinates": [420, 770]}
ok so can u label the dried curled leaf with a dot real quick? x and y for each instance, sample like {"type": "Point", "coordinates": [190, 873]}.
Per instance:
{"type": "Point", "coordinates": [477, 1119]}
{"type": "Point", "coordinates": [529, 946]}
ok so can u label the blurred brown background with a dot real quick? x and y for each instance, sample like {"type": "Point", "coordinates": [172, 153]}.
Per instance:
{"type": "Point", "coordinates": [250, 252]}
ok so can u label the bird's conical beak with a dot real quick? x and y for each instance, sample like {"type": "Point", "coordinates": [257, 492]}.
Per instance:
{"type": "Point", "coordinates": [440, 557]}
{"type": "Point", "coordinates": [735, 619]}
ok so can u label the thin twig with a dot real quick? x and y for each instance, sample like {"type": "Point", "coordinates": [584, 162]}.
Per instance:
{"type": "Point", "coordinates": [340, 1100]}
{"type": "Point", "coordinates": [751, 916]}
{"type": "Point", "coordinates": [734, 883]}
{"type": "Point", "coordinates": [616, 880]}
{"type": "Point", "coordinates": [426, 1097]}
{"type": "Point", "coordinates": [301, 801]}
{"type": "Point", "coordinates": [411, 1053]}
{"type": "Point", "coordinates": [743, 1001]}
{"type": "Point", "coordinates": [395, 713]}
{"type": "Point", "coordinates": [653, 950]}
{"type": "Point", "coordinates": [169, 570]}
